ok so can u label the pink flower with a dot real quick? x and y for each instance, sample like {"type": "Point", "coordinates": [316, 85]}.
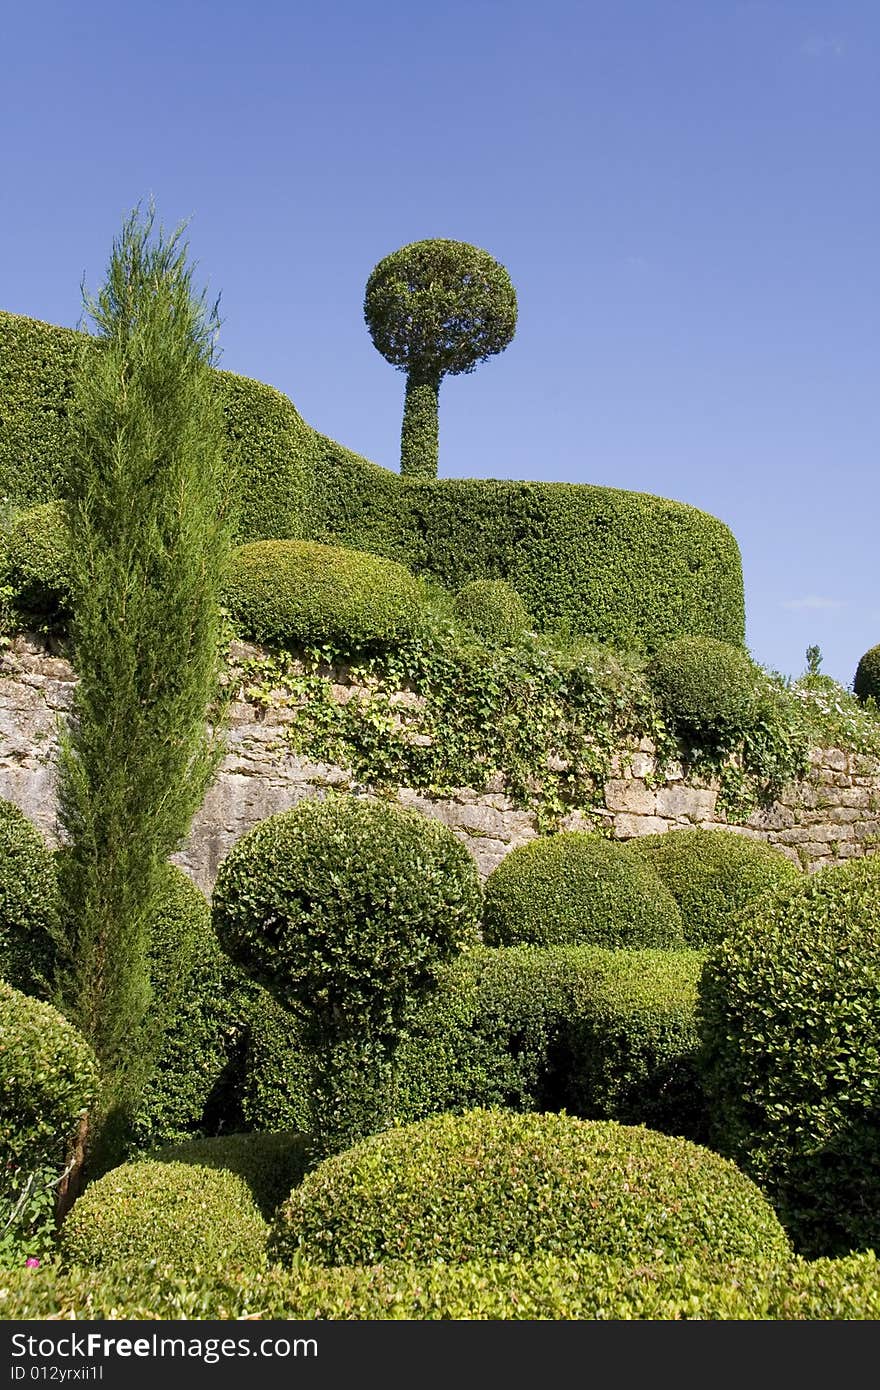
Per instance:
{"type": "Point", "coordinates": [32, 1263]}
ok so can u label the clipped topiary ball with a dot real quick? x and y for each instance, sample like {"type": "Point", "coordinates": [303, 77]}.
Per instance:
{"type": "Point", "coordinates": [29, 903]}
{"type": "Point", "coordinates": [178, 1214]}
{"type": "Point", "coordinates": [577, 889]}
{"type": "Point", "coordinates": [490, 1184]}
{"type": "Point", "coordinates": [36, 562]}
{"type": "Point", "coordinates": [293, 593]}
{"type": "Point", "coordinates": [706, 689]}
{"type": "Point", "coordinates": [790, 1018]}
{"type": "Point", "coordinates": [713, 875]}
{"type": "Point", "coordinates": [867, 677]}
{"type": "Point", "coordinates": [492, 609]}
{"type": "Point", "coordinates": [270, 1163]}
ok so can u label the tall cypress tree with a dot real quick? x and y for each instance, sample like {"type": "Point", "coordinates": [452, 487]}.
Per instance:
{"type": "Point", "coordinates": [147, 508]}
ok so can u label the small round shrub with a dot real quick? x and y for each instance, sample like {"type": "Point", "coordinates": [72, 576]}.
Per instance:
{"type": "Point", "coordinates": [713, 875]}
{"type": "Point", "coordinates": [294, 593]}
{"type": "Point", "coordinates": [578, 889]}
{"type": "Point", "coordinates": [178, 1214]}
{"type": "Point", "coordinates": [270, 1163]}
{"type": "Point", "coordinates": [492, 1184]}
{"type": "Point", "coordinates": [867, 678]}
{"type": "Point", "coordinates": [707, 690]}
{"type": "Point", "coordinates": [790, 1018]}
{"type": "Point", "coordinates": [48, 1080]}
{"type": "Point", "coordinates": [492, 609]}
{"type": "Point", "coordinates": [36, 562]}
{"type": "Point", "coordinates": [28, 903]}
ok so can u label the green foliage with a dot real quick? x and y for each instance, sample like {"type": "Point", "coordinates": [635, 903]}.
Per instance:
{"type": "Point", "coordinates": [492, 610]}
{"type": "Point", "coordinates": [574, 888]}
{"type": "Point", "coordinates": [145, 507]}
{"type": "Point", "coordinates": [345, 909]}
{"type": "Point", "coordinates": [791, 1030]}
{"type": "Point", "coordinates": [271, 457]}
{"type": "Point", "coordinates": [436, 308]}
{"type": "Point", "coordinates": [269, 1163]}
{"type": "Point", "coordinates": [713, 875]}
{"type": "Point", "coordinates": [29, 904]}
{"type": "Point", "coordinates": [36, 564]}
{"type": "Point", "coordinates": [866, 682]}
{"type": "Point", "coordinates": [178, 1214]}
{"type": "Point", "coordinates": [275, 1082]}
{"type": "Point", "coordinates": [581, 1287]}
{"type": "Point", "coordinates": [48, 1082]}
{"type": "Point", "coordinates": [298, 593]}
{"type": "Point", "coordinates": [491, 1184]}
{"type": "Point", "coordinates": [708, 690]}
{"type": "Point", "coordinates": [37, 365]}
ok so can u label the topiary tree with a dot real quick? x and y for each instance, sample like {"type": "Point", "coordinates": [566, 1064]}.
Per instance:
{"type": "Point", "coordinates": [490, 1184]}
{"type": "Point", "coordinates": [36, 564]}
{"type": "Point", "coordinates": [867, 678]}
{"type": "Point", "coordinates": [790, 1022]}
{"type": "Point", "coordinates": [434, 309]}
{"type": "Point", "coordinates": [575, 889]}
{"type": "Point", "coordinates": [29, 904]}
{"type": "Point", "coordinates": [709, 691]}
{"type": "Point", "coordinates": [345, 910]}
{"type": "Point", "coordinates": [492, 609]}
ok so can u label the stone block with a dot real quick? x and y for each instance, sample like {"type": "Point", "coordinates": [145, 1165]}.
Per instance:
{"type": "Point", "coordinates": [627, 827]}
{"type": "Point", "coordinates": [625, 794]}
{"type": "Point", "coordinates": [686, 803]}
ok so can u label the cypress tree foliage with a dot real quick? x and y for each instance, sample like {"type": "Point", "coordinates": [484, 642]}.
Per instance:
{"type": "Point", "coordinates": [434, 309]}
{"type": "Point", "coordinates": [147, 507]}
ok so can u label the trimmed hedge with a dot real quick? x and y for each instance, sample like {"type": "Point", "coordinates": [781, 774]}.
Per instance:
{"type": "Point", "coordinates": [707, 689]}
{"type": "Point", "coordinates": [269, 1163]}
{"type": "Point", "coordinates": [29, 904]}
{"type": "Point", "coordinates": [492, 609]}
{"type": "Point", "coordinates": [713, 875]}
{"type": "Point", "coordinates": [295, 593]}
{"type": "Point", "coordinates": [624, 568]}
{"type": "Point", "coordinates": [586, 1288]}
{"type": "Point", "coordinates": [490, 1184]}
{"type": "Point", "coordinates": [178, 1214]}
{"type": "Point", "coordinates": [36, 564]}
{"type": "Point", "coordinates": [866, 682]}
{"type": "Point", "coordinates": [790, 1016]}
{"type": "Point", "coordinates": [275, 1085]}
{"type": "Point", "coordinates": [576, 889]}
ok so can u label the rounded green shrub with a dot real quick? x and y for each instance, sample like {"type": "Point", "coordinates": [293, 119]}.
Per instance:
{"type": "Point", "coordinates": [29, 903]}
{"type": "Point", "coordinates": [867, 678]}
{"type": "Point", "coordinates": [577, 889]}
{"type": "Point", "coordinates": [790, 1019]}
{"type": "Point", "coordinates": [269, 1163]}
{"type": "Point", "coordinates": [707, 690]}
{"type": "Point", "coordinates": [294, 593]}
{"type": "Point", "coordinates": [491, 1184]}
{"type": "Point", "coordinates": [178, 1214]}
{"type": "Point", "coordinates": [36, 562]}
{"type": "Point", "coordinates": [713, 875]}
{"type": "Point", "coordinates": [492, 609]}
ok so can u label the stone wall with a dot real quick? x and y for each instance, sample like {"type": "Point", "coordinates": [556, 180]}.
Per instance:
{"type": "Point", "coordinates": [832, 816]}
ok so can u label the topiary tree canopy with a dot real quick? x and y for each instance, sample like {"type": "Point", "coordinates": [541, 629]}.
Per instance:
{"type": "Point", "coordinates": [434, 309]}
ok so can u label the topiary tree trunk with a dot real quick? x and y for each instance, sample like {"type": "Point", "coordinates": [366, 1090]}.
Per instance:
{"type": "Point", "coordinates": [420, 434]}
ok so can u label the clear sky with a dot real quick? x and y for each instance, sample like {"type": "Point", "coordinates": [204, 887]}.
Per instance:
{"type": "Point", "coordinates": [686, 194]}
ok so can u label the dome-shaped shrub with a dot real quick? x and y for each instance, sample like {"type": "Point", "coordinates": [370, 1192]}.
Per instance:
{"type": "Point", "coordinates": [790, 1017]}
{"type": "Point", "coordinates": [491, 1184]}
{"type": "Point", "coordinates": [706, 689]}
{"type": "Point", "coordinates": [492, 609]}
{"type": "Point", "coordinates": [867, 678]}
{"type": "Point", "coordinates": [28, 903]}
{"type": "Point", "coordinates": [270, 1163]}
{"type": "Point", "coordinates": [713, 875]}
{"type": "Point", "coordinates": [36, 561]}
{"type": "Point", "coordinates": [577, 889]}
{"type": "Point", "coordinates": [178, 1214]}
{"type": "Point", "coordinates": [48, 1080]}
{"type": "Point", "coordinates": [290, 593]}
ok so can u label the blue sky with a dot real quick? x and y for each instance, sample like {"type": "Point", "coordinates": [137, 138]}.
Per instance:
{"type": "Point", "coordinates": [686, 194]}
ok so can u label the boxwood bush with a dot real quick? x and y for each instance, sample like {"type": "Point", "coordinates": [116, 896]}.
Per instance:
{"type": "Point", "coordinates": [713, 875]}
{"type": "Point", "coordinates": [575, 888]}
{"type": "Point", "coordinates": [35, 563]}
{"type": "Point", "coordinates": [269, 1163]}
{"type": "Point", "coordinates": [492, 609]}
{"type": "Point", "coordinates": [866, 682]}
{"type": "Point", "coordinates": [299, 593]}
{"type": "Point", "coordinates": [791, 1026]}
{"type": "Point", "coordinates": [29, 904]}
{"type": "Point", "coordinates": [492, 1184]}
{"type": "Point", "coordinates": [709, 690]}
{"type": "Point", "coordinates": [178, 1214]}
{"type": "Point", "coordinates": [547, 1287]}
